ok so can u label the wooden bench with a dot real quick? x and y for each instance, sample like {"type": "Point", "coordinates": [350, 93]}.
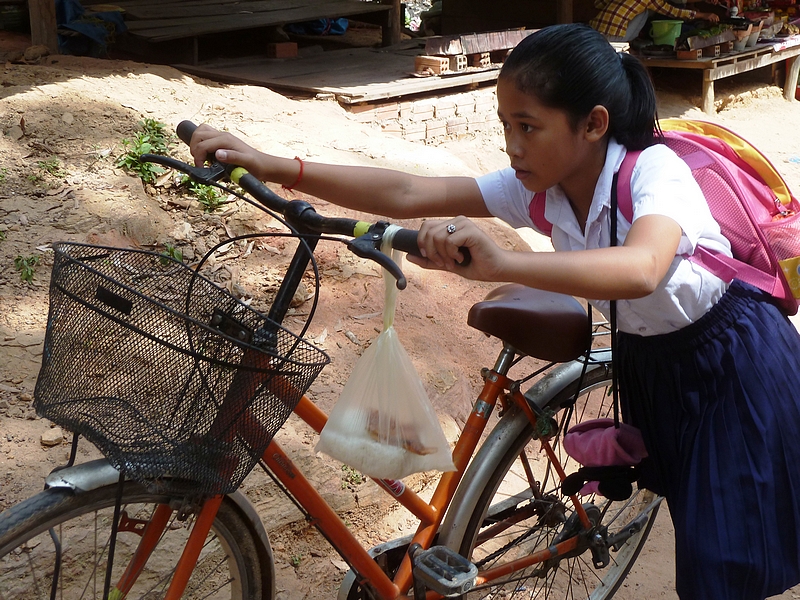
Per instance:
{"type": "Point", "coordinates": [175, 26]}
{"type": "Point", "coordinates": [718, 67]}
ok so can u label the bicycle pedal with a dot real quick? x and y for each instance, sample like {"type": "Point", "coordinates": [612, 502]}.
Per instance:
{"type": "Point", "coordinates": [444, 571]}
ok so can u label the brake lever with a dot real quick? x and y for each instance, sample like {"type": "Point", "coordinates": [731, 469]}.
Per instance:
{"type": "Point", "coordinates": [365, 246]}
{"type": "Point", "coordinates": [207, 175]}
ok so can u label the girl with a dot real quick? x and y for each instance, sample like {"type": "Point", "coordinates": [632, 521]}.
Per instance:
{"type": "Point", "coordinates": [708, 370]}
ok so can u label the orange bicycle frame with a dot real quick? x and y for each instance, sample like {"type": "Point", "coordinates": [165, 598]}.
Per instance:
{"type": "Point", "coordinates": [331, 525]}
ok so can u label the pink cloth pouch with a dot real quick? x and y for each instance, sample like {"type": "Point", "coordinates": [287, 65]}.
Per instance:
{"type": "Point", "coordinates": [598, 443]}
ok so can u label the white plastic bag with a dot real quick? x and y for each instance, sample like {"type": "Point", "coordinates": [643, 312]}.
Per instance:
{"type": "Point", "coordinates": [383, 424]}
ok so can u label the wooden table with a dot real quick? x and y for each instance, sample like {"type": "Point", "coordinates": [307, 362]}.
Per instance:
{"type": "Point", "coordinates": [738, 62]}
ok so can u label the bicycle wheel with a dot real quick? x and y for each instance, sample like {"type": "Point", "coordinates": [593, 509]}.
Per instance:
{"type": "Point", "coordinates": [510, 520]}
{"type": "Point", "coordinates": [231, 566]}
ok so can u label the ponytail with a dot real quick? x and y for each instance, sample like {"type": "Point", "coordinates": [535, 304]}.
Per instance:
{"type": "Point", "coordinates": [573, 68]}
{"type": "Point", "coordinates": [641, 128]}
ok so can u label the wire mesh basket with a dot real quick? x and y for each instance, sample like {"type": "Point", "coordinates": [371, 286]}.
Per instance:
{"type": "Point", "coordinates": [170, 376]}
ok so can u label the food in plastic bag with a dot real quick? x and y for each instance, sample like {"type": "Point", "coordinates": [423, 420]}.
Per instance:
{"type": "Point", "coordinates": [383, 424]}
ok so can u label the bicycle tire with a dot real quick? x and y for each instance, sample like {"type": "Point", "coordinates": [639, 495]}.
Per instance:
{"type": "Point", "coordinates": [231, 565]}
{"type": "Point", "coordinates": [569, 577]}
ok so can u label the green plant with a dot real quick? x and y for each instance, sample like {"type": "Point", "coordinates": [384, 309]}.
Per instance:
{"type": "Point", "coordinates": [158, 134]}
{"type": "Point", "coordinates": [296, 560]}
{"type": "Point", "coordinates": [152, 138]}
{"type": "Point", "coordinates": [171, 252]}
{"type": "Point", "coordinates": [52, 166]}
{"type": "Point", "coordinates": [351, 477]}
{"type": "Point", "coordinates": [2, 236]}
{"type": "Point", "coordinates": [207, 195]}
{"type": "Point", "coordinates": [26, 267]}
{"type": "Point", "coordinates": [3, 175]}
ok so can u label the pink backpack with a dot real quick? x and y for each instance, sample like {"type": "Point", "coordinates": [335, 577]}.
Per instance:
{"type": "Point", "coordinates": [761, 220]}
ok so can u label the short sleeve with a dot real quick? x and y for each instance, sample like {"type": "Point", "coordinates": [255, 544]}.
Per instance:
{"type": "Point", "coordinates": [662, 184]}
{"type": "Point", "coordinates": [506, 198]}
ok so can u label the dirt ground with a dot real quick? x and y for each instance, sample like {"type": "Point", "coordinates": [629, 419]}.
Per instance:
{"type": "Point", "coordinates": [63, 120]}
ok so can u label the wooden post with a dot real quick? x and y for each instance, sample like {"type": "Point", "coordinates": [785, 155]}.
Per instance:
{"type": "Point", "coordinates": [43, 24]}
{"type": "Point", "coordinates": [708, 93]}
{"type": "Point", "coordinates": [790, 85]}
{"type": "Point", "coordinates": [564, 11]}
{"type": "Point", "coordinates": [391, 24]}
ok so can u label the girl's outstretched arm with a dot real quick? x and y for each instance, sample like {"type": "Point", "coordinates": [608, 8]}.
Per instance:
{"type": "Point", "coordinates": [633, 270]}
{"type": "Point", "coordinates": [383, 191]}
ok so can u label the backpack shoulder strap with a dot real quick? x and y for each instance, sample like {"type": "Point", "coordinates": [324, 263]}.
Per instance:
{"type": "Point", "coordinates": [624, 198]}
{"type": "Point", "coordinates": [536, 209]}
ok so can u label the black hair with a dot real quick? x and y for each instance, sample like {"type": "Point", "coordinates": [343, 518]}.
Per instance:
{"type": "Point", "coordinates": [573, 68]}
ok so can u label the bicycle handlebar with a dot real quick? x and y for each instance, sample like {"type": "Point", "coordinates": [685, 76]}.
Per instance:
{"type": "Point", "coordinates": [367, 237]}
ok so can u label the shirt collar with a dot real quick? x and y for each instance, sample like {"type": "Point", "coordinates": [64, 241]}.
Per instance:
{"type": "Point", "coordinates": [559, 211]}
{"type": "Point", "coordinates": [602, 191]}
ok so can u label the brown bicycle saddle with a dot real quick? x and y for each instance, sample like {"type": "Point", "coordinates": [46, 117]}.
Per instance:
{"type": "Point", "coordinates": [545, 325]}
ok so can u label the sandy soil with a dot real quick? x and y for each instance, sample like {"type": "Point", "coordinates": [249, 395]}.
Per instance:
{"type": "Point", "coordinates": [78, 110]}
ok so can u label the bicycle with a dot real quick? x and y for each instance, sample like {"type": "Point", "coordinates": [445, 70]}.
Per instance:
{"type": "Point", "coordinates": [497, 527]}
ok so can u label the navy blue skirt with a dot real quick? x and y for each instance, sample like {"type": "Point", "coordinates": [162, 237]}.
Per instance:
{"type": "Point", "coordinates": [718, 403]}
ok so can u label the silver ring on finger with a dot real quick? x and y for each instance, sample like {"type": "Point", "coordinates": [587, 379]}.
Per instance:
{"type": "Point", "coordinates": [451, 228]}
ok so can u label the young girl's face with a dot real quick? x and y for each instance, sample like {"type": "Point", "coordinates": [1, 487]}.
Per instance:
{"type": "Point", "coordinates": [543, 147]}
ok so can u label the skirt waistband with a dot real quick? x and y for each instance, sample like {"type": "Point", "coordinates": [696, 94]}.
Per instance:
{"type": "Point", "coordinates": [720, 317]}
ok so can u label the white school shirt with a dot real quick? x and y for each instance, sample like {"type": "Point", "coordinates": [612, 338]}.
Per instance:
{"type": "Point", "coordinates": [662, 184]}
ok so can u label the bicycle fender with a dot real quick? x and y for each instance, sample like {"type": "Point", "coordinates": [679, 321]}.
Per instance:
{"type": "Point", "coordinates": [248, 511]}
{"type": "Point", "coordinates": [83, 477]}
{"type": "Point", "coordinates": [504, 433]}
{"type": "Point", "coordinates": [100, 473]}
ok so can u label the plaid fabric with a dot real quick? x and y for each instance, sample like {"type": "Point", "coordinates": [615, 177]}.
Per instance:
{"type": "Point", "coordinates": [614, 15]}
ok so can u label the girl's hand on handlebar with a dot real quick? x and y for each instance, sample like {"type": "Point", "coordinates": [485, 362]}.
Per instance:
{"type": "Point", "coordinates": [226, 148]}
{"type": "Point", "coordinates": [439, 243]}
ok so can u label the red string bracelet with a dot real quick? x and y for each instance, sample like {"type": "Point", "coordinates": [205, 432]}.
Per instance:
{"type": "Point", "coordinates": [299, 176]}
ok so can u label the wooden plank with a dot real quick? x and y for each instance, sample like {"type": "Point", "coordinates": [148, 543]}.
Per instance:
{"type": "Point", "coordinates": [443, 45]}
{"type": "Point", "coordinates": [43, 24]}
{"type": "Point", "coordinates": [475, 43]}
{"type": "Point", "coordinates": [176, 10]}
{"type": "Point", "coordinates": [708, 62]}
{"type": "Point", "coordinates": [159, 31]}
{"type": "Point", "coordinates": [352, 75]}
{"type": "Point", "coordinates": [726, 69]}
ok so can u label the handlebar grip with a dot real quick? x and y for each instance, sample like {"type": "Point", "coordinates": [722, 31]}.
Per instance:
{"type": "Point", "coordinates": [185, 129]}
{"type": "Point", "coordinates": [405, 240]}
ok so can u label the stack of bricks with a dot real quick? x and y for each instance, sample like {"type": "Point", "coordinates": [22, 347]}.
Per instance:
{"type": "Point", "coordinates": [440, 64]}
{"type": "Point", "coordinates": [432, 119]}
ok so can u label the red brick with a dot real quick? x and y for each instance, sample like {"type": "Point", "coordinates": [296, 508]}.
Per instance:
{"type": "Point", "coordinates": [481, 59]}
{"type": "Point", "coordinates": [435, 128]}
{"type": "Point", "coordinates": [282, 50]}
{"type": "Point", "coordinates": [392, 127]}
{"type": "Point", "coordinates": [422, 111]}
{"type": "Point", "coordinates": [458, 62]}
{"type": "Point", "coordinates": [437, 64]}
{"type": "Point", "coordinates": [414, 131]}
{"type": "Point", "coordinates": [444, 109]}
{"type": "Point", "coordinates": [456, 125]}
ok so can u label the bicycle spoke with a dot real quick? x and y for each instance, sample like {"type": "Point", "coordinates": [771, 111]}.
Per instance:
{"type": "Point", "coordinates": [516, 517]}
{"type": "Point", "coordinates": [85, 535]}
